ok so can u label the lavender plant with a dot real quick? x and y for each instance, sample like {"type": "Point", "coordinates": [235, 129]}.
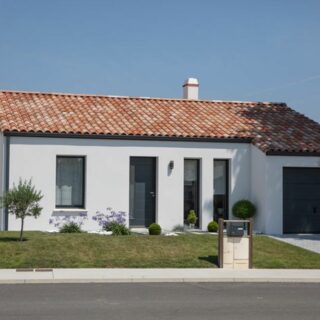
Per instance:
{"type": "Point", "coordinates": [112, 220]}
{"type": "Point", "coordinates": [69, 223]}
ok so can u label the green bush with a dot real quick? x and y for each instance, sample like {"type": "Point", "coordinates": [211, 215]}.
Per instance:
{"type": "Point", "coordinates": [212, 226]}
{"type": "Point", "coordinates": [70, 227]}
{"type": "Point", "coordinates": [192, 217]}
{"type": "Point", "coordinates": [118, 229]}
{"type": "Point", "coordinates": [244, 209]}
{"type": "Point", "coordinates": [154, 229]}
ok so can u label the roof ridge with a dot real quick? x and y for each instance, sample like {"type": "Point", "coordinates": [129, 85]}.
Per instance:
{"type": "Point", "coordinates": [137, 97]}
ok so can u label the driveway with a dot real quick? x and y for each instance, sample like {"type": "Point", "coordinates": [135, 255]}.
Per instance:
{"type": "Point", "coordinates": [306, 241]}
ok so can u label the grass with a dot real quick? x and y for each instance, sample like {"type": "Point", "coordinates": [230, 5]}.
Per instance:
{"type": "Point", "coordinates": [44, 250]}
{"type": "Point", "coordinates": [271, 253]}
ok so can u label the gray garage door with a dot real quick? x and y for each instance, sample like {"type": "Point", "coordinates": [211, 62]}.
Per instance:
{"type": "Point", "coordinates": [301, 200]}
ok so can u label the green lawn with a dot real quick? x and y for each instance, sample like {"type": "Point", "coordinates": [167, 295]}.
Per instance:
{"type": "Point", "coordinates": [42, 250]}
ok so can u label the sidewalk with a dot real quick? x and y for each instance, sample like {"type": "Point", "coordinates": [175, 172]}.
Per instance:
{"type": "Point", "coordinates": [156, 275]}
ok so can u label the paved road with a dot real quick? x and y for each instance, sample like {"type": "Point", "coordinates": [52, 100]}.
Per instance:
{"type": "Point", "coordinates": [160, 301]}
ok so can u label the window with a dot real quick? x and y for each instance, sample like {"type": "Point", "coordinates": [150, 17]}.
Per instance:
{"type": "Point", "coordinates": [191, 187]}
{"type": "Point", "coordinates": [70, 182]}
{"type": "Point", "coordinates": [221, 187]}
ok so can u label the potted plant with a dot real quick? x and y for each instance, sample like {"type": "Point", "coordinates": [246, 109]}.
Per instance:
{"type": "Point", "coordinates": [192, 219]}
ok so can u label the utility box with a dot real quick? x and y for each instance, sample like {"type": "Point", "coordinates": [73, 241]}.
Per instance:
{"type": "Point", "coordinates": [235, 244]}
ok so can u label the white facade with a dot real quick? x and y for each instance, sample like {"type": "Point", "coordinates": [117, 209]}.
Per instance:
{"type": "Point", "coordinates": [267, 187]}
{"type": "Point", "coordinates": [2, 175]}
{"type": "Point", "coordinates": [107, 174]}
{"type": "Point", "coordinates": [252, 175]}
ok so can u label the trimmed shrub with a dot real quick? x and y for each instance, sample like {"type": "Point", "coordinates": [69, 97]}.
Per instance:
{"type": "Point", "coordinates": [70, 227]}
{"type": "Point", "coordinates": [212, 226]}
{"type": "Point", "coordinates": [154, 229]}
{"type": "Point", "coordinates": [244, 209]}
{"type": "Point", "coordinates": [192, 217]}
{"type": "Point", "coordinates": [118, 229]}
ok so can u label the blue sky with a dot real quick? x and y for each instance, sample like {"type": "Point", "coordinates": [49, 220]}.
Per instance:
{"type": "Point", "coordinates": [239, 50]}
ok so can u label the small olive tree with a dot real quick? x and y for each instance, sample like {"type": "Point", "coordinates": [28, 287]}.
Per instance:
{"type": "Point", "coordinates": [23, 201]}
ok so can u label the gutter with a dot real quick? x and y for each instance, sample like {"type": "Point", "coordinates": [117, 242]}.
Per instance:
{"type": "Point", "coordinates": [124, 137]}
{"type": "Point", "coordinates": [293, 153]}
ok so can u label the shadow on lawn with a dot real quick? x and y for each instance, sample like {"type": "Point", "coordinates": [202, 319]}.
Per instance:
{"type": "Point", "coordinates": [12, 239]}
{"type": "Point", "coordinates": [211, 259]}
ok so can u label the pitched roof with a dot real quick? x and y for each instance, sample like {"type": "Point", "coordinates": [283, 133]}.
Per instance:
{"type": "Point", "coordinates": [272, 127]}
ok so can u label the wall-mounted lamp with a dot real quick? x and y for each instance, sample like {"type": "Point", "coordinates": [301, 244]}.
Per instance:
{"type": "Point", "coordinates": [171, 165]}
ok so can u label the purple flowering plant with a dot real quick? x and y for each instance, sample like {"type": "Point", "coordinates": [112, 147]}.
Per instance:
{"type": "Point", "coordinates": [109, 217]}
{"type": "Point", "coordinates": [59, 221]}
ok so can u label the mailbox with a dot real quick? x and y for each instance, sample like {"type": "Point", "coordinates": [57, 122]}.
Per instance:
{"type": "Point", "coordinates": [235, 244]}
{"type": "Point", "coordinates": [235, 229]}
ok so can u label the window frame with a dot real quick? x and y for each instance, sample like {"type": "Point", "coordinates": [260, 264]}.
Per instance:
{"type": "Point", "coordinates": [199, 191]}
{"type": "Point", "coordinates": [227, 195]}
{"type": "Point", "coordinates": [82, 206]}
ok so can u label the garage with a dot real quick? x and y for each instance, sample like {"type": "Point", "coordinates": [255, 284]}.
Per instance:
{"type": "Point", "coordinates": [301, 200]}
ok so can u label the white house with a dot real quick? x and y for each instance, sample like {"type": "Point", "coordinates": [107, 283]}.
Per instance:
{"type": "Point", "coordinates": [158, 158]}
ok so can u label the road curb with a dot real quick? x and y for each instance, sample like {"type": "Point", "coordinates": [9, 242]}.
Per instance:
{"type": "Point", "coordinates": [223, 280]}
{"type": "Point", "coordinates": [12, 276]}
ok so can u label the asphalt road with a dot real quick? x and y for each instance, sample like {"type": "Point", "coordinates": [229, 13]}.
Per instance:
{"type": "Point", "coordinates": [160, 301]}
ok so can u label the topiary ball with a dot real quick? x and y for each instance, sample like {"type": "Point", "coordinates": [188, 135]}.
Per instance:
{"type": "Point", "coordinates": [154, 229]}
{"type": "Point", "coordinates": [244, 209]}
{"type": "Point", "coordinates": [212, 226]}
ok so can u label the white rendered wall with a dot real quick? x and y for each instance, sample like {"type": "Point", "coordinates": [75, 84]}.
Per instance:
{"type": "Point", "coordinates": [274, 195]}
{"type": "Point", "coordinates": [2, 176]}
{"type": "Point", "coordinates": [258, 186]}
{"type": "Point", "coordinates": [267, 187]}
{"type": "Point", "coordinates": [107, 174]}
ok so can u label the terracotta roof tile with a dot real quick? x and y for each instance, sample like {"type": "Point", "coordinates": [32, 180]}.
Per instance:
{"type": "Point", "coordinates": [272, 127]}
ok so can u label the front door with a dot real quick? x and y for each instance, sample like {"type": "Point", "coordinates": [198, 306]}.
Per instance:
{"type": "Point", "coordinates": [142, 191]}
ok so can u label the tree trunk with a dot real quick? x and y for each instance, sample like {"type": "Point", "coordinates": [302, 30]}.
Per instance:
{"type": "Point", "coordinates": [21, 231]}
